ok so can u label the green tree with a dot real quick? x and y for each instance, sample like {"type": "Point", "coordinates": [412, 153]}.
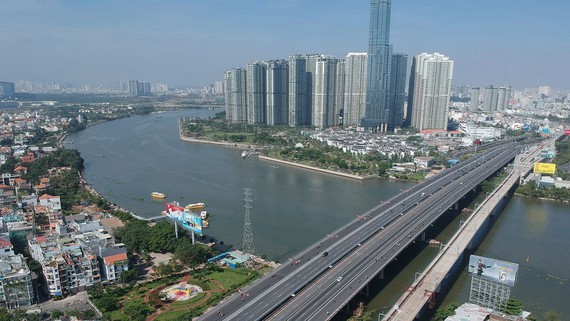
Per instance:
{"type": "Point", "coordinates": [106, 303]}
{"type": "Point", "coordinates": [192, 254]}
{"type": "Point", "coordinates": [129, 275]}
{"type": "Point", "coordinates": [513, 306]}
{"type": "Point", "coordinates": [4, 315]}
{"type": "Point", "coordinates": [56, 314]}
{"type": "Point", "coordinates": [135, 234]}
{"type": "Point", "coordinates": [442, 313]}
{"type": "Point", "coordinates": [163, 238]}
{"type": "Point", "coordinates": [137, 310]}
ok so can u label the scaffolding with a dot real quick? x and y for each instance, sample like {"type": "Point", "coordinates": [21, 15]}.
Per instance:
{"type": "Point", "coordinates": [489, 294]}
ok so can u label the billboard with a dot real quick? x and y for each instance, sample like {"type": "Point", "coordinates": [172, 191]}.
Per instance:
{"type": "Point", "coordinates": [189, 220]}
{"type": "Point", "coordinates": [493, 270]}
{"type": "Point", "coordinates": [545, 168]}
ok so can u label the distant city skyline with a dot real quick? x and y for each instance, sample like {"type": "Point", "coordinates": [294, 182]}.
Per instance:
{"type": "Point", "coordinates": [193, 44]}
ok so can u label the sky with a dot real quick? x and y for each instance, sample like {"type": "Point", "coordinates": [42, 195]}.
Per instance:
{"type": "Point", "coordinates": [190, 43]}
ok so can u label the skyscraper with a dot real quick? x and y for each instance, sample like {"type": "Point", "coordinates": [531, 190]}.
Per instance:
{"type": "Point", "coordinates": [277, 92]}
{"type": "Point", "coordinates": [432, 88]}
{"type": "Point", "coordinates": [474, 94]}
{"type": "Point", "coordinates": [397, 93]}
{"type": "Point", "coordinates": [256, 92]}
{"type": "Point", "coordinates": [355, 88]}
{"type": "Point", "coordinates": [490, 98]}
{"type": "Point", "coordinates": [328, 92]}
{"type": "Point", "coordinates": [501, 98]}
{"type": "Point", "coordinates": [139, 88]}
{"type": "Point", "coordinates": [301, 83]}
{"type": "Point", "coordinates": [379, 60]}
{"type": "Point", "coordinates": [235, 95]}
{"type": "Point", "coordinates": [7, 89]}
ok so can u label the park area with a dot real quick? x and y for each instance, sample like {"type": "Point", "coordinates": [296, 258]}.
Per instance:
{"type": "Point", "coordinates": [175, 297]}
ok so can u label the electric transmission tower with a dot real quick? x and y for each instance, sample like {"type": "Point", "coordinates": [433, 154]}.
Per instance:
{"type": "Point", "coordinates": [248, 246]}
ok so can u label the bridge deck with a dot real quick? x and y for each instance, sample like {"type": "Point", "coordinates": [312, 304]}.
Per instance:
{"type": "Point", "coordinates": [422, 290]}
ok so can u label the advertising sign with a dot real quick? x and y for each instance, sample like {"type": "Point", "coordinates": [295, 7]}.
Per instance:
{"type": "Point", "coordinates": [545, 168]}
{"type": "Point", "coordinates": [493, 270]}
{"type": "Point", "coordinates": [186, 218]}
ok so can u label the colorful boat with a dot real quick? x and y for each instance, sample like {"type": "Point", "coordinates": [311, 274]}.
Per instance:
{"type": "Point", "coordinates": [158, 195]}
{"type": "Point", "coordinates": [196, 206]}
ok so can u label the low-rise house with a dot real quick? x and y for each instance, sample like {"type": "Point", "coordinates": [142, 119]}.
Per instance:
{"type": "Point", "coordinates": [7, 191]}
{"type": "Point", "coordinates": [15, 282]}
{"type": "Point", "coordinates": [15, 277]}
{"type": "Point", "coordinates": [51, 202]}
{"type": "Point", "coordinates": [115, 262]}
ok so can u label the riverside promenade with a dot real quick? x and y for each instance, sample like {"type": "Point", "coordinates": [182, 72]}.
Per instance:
{"type": "Point", "coordinates": [422, 291]}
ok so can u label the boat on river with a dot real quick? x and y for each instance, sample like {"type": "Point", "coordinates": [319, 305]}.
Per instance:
{"type": "Point", "coordinates": [158, 195]}
{"type": "Point", "coordinates": [195, 206]}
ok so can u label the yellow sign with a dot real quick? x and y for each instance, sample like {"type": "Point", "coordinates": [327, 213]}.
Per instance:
{"type": "Point", "coordinates": [545, 168]}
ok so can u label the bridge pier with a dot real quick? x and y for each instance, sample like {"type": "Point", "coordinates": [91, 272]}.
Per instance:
{"type": "Point", "coordinates": [423, 236]}
{"type": "Point", "coordinates": [381, 275]}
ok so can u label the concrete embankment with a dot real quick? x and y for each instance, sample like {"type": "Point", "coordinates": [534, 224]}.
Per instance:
{"type": "Point", "coordinates": [317, 169]}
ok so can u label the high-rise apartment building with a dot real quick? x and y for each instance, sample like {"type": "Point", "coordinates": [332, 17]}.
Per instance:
{"type": "Point", "coordinates": [301, 83]}
{"type": "Point", "coordinates": [397, 93]}
{"type": "Point", "coordinates": [508, 92]}
{"type": "Point", "coordinates": [431, 90]}
{"type": "Point", "coordinates": [501, 98]}
{"type": "Point", "coordinates": [488, 98]}
{"type": "Point", "coordinates": [354, 106]}
{"type": "Point", "coordinates": [235, 95]}
{"type": "Point", "coordinates": [7, 89]}
{"type": "Point", "coordinates": [277, 92]}
{"type": "Point", "coordinates": [328, 92]}
{"type": "Point", "coordinates": [496, 98]}
{"type": "Point", "coordinates": [544, 90]}
{"type": "Point", "coordinates": [379, 60]}
{"type": "Point", "coordinates": [474, 95]}
{"type": "Point", "coordinates": [139, 88]}
{"type": "Point", "coordinates": [256, 92]}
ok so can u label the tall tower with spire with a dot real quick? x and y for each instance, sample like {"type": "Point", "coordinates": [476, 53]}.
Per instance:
{"type": "Point", "coordinates": [379, 67]}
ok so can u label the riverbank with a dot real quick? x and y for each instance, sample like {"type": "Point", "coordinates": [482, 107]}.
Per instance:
{"type": "Point", "coordinates": [276, 160]}
{"type": "Point", "coordinates": [317, 169]}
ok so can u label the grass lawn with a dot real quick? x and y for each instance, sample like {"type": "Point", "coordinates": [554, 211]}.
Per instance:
{"type": "Point", "coordinates": [118, 316]}
{"type": "Point", "coordinates": [172, 316]}
{"type": "Point", "coordinates": [230, 277]}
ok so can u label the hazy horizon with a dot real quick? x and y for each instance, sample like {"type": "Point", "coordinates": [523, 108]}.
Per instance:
{"type": "Point", "coordinates": [191, 44]}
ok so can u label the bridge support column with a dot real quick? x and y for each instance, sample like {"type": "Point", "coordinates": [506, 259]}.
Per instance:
{"type": "Point", "coordinates": [381, 275]}
{"type": "Point", "coordinates": [456, 206]}
{"type": "Point", "coordinates": [423, 236]}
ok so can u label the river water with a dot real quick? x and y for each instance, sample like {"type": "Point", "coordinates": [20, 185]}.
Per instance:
{"type": "Point", "coordinates": [127, 159]}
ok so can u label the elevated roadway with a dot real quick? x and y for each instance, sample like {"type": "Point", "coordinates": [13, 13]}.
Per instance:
{"type": "Point", "coordinates": [317, 283]}
{"type": "Point", "coordinates": [410, 305]}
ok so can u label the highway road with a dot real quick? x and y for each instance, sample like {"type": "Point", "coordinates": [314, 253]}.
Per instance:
{"type": "Point", "coordinates": [320, 280]}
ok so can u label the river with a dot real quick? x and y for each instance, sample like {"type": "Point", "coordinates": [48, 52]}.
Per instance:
{"type": "Point", "coordinates": [127, 159]}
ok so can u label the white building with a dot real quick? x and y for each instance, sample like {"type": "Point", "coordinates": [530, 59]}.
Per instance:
{"type": "Point", "coordinates": [355, 67]}
{"type": "Point", "coordinates": [53, 203]}
{"type": "Point", "coordinates": [432, 88]}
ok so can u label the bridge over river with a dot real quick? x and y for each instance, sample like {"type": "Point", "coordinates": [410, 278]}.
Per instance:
{"type": "Point", "coordinates": [323, 278]}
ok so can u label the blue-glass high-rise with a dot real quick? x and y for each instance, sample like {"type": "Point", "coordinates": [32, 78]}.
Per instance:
{"type": "Point", "coordinates": [379, 64]}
